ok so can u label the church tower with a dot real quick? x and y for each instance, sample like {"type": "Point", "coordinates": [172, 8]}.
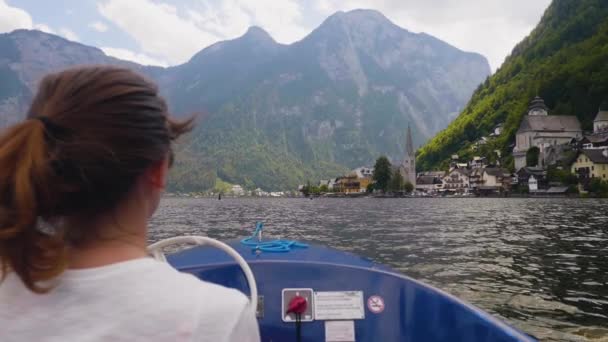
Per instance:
{"type": "Point", "coordinates": [408, 167]}
{"type": "Point", "coordinates": [538, 107]}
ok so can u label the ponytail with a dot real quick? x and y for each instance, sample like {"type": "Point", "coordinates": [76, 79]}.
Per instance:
{"type": "Point", "coordinates": [25, 177]}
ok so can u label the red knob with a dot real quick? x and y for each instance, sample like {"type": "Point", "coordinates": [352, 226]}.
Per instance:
{"type": "Point", "coordinates": [297, 305]}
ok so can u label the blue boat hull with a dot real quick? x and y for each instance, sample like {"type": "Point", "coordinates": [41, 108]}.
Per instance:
{"type": "Point", "coordinates": [413, 311]}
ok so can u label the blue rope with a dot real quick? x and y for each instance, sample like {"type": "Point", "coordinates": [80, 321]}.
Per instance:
{"type": "Point", "coordinates": [274, 246]}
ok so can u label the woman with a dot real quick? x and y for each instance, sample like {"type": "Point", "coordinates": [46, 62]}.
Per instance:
{"type": "Point", "coordinates": [79, 180]}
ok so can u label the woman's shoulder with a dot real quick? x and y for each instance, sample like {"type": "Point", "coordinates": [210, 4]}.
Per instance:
{"type": "Point", "coordinates": [188, 287]}
{"type": "Point", "coordinates": [216, 309]}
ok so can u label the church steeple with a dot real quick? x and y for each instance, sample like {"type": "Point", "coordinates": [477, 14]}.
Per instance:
{"type": "Point", "coordinates": [409, 145]}
{"type": "Point", "coordinates": [408, 167]}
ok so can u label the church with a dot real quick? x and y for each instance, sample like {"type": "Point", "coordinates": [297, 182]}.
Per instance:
{"type": "Point", "coordinates": [408, 166]}
{"type": "Point", "coordinates": [539, 129]}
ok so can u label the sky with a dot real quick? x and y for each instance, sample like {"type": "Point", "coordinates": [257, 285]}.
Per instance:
{"type": "Point", "coordinates": [164, 32]}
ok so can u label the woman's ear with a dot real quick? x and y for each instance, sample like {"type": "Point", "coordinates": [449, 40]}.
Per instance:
{"type": "Point", "coordinates": [157, 173]}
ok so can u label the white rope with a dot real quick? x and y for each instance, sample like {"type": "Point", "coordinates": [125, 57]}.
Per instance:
{"type": "Point", "coordinates": [156, 249]}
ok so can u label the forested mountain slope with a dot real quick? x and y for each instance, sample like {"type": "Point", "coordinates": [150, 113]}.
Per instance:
{"type": "Point", "coordinates": [564, 60]}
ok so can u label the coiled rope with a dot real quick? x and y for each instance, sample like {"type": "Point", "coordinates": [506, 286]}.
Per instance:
{"type": "Point", "coordinates": [274, 246]}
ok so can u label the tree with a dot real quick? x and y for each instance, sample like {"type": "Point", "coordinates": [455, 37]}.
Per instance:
{"type": "Point", "coordinates": [315, 190]}
{"type": "Point", "coordinates": [370, 188]}
{"type": "Point", "coordinates": [598, 187]}
{"type": "Point", "coordinates": [324, 188]}
{"type": "Point", "coordinates": [532, 156]}
{"type": "Point", "coordinates": [563, 176]}
{"type": "Point", "coordinates": [382, 173]}
{"type": "Point", "coordinates": [397, 182]}
{"type": "Point", "coordinates": [306, 189]}
{"type": "Point", "coordinates": [408, 187]}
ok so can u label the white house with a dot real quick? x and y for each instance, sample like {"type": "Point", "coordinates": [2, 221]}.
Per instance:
{"type": "Point", "coordinates": [532, 184]}
{"type": "Point", "coordinates": [457, 180]}
{"type": "Point", "coordinates": [497, 130]}
{"type": "Point", "coordinates": [237, 190]}
{"type": "Point", "coordinates": [478, 162]}
{"type": "Point", "coordinates": [495, 177]}
{"type": "Point", "coordinates": [429, 184]}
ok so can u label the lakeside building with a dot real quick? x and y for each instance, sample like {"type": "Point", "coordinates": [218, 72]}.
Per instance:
{"type": "Point", "coordinates": [457, 180]}
{"type": "Point", "coordinates": [355, 181]}
{"type": "Point", "coordinates": [532, 178]}
{"type": "Point", "coordinates": [237, 190]}
{"type": "Point", "coordinates": [479, 178]}
{"type": "Point", "coordinates": [352, 183]}
{"type": "Point", "coordinates": [589, 164]}
{"type": "Point", "coordinates": [539, 129]}
{"type": "Point", "coordinates": [429, 184]}
{"type": "Point", "coordinates": [489, 180]}
{"type": "Point", "coordinates": [493, 180]}
{"type": "Point", "coordinates": [438, 174]}
{"type": "Point", "coordinates": [260, 193]}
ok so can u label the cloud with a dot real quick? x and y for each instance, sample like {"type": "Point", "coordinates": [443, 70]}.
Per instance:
{"type": "Point", "coordinates": [98, 26]}
{"type": "Point", "coordinates": [69, 34]}
{"type": "Point", "coordinates": [176, 35]}
{"type": "Point", "coordinates": [129, 55]}
{"type": "Point", "coordinates": [44, 28]}
{"type": "Point", "coordinates": [282, 19]}
{"type": "Point", "coordinates": [12, 18]}
{"type": "Point", "coordinates": [157, 28]}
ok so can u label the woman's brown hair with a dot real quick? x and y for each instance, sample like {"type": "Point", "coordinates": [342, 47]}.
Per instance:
{"type": "Point", "coordinates": [89, 134]}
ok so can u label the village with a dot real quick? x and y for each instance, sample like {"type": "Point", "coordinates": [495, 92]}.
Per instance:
{"type": "Point", "coordinates": [552, 156]}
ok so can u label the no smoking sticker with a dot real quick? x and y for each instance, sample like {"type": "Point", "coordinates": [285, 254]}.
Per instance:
{"type": "Point", "coordinates": [375, 304]}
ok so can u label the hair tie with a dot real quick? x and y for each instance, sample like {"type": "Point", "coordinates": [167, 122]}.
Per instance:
{"type": "Point", "coordinates": [46, 121]}
{"type": "Point", "coordinates": [53, 130]}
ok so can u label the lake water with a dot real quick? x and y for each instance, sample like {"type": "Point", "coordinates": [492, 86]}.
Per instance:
{"type": "Point", "coordinates": [541, 264]}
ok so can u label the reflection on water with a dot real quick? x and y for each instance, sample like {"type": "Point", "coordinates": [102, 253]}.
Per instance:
{"type": "Point", "coordinates": [541, 264]}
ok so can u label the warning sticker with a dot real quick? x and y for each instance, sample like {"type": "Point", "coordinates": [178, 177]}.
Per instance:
{"type": "Point", "coordinates": [340, 331]}
{"type": "Point", "coordinates": [339, 305]}
{"type": "Point", "coordinates": [375, 304]}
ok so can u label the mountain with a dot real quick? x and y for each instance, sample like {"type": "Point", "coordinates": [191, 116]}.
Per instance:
{"type": "Point", "coordinates": [335, 100]}
{"type": "Point", "coordinates": [564, 60]}
{"type": "Point", "coordinates": [25, 56]}
{"type": "Point", "coordinates": [274, 115]}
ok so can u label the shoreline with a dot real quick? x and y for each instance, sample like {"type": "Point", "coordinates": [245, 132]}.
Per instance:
{"type": "Point", "coordinates": [384, 197]}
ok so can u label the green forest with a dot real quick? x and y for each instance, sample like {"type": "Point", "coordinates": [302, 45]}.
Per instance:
{"type": "Point", "coordinates": [238, 154]}
{"type": "Point", "coordinates": [564, 60]}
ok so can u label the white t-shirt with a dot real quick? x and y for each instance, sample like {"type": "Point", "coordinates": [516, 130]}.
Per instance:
{"type": "Point", "coordinates": [136, 300]}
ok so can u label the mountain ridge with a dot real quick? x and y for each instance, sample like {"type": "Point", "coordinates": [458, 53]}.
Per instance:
{"type": "Point", "coordinates": [334, 100]}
